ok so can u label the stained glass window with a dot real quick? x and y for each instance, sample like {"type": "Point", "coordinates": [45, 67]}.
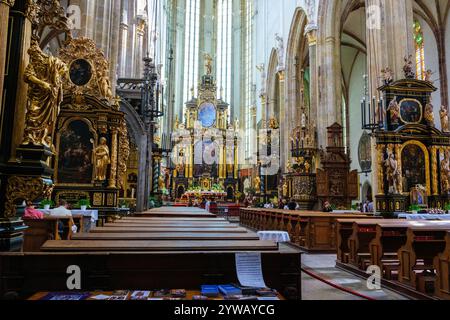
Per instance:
{"type": "Point", "coordinates": [420, 50]}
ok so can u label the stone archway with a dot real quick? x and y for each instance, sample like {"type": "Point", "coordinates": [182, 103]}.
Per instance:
{"type": "Point", "coordinates": [139, 133]}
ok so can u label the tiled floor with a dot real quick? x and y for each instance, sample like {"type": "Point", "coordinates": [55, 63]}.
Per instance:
{"type": "Point", "coordinates": [324, 266]}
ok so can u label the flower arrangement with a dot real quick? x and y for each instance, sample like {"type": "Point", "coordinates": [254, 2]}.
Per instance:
{"type": "Point", "coordinates": [46, 204]}
{"type": "Point", "coordinates": [83, 204]}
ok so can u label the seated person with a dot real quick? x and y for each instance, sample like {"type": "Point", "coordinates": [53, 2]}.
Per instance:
{"type": "Point", "coordinates": [62, 211]}
{"type": "Point", "coordinates": [32, 213]}
{"type": "Point", "coordinates": [327, 207]}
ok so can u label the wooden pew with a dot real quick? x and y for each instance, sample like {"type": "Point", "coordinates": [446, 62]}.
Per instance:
{"type": "Point", "coordinates": [175, 212]}
{"type": "Point", "coordinates": [344, 232]}
{"type": "Point", "coordinates": [154, 246]}
{"type": "Point", "coordinates": [363, 232]}
{"type": "Point", "coordinates": [174, 223]}
{"type": "Point", "coordinates": [28, 273]}
{"type": "Point", "coordinates": [163, 230]}
{"type": "Point", "coordinates": [166, 236]}
{"type": "Point", "coordinates": [312, 231]}
{"type": "Point", "coordinates": [137, 219]}
{"type": "Point", "coordinates": [39, 231]}
{"type": "Point", "coordinates": [442, 266]}
{"type": "Point", "coordinates": [423, 243]}
{"type": "Point", "coordinates": [170, 225]}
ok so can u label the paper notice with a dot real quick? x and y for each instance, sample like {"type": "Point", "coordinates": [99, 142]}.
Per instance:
{"type": "Point", "coordinates": [249, 270]}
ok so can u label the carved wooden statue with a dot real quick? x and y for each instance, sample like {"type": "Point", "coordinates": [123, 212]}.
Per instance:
{"type": "Point", "coordinates": [392, 173]}
{"type": "Point", "coordinates": [444, 119]}
{"type": "Point", "coordinates": [429, 114]}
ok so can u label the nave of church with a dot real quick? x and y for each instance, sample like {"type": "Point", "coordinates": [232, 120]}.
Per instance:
{"type": "Point", "coordinates": [240, 150]}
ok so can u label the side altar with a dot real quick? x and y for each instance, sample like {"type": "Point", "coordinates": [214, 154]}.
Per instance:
{"type": "Point", "coordinates": [412, 153]}
{"type": "Point", "coordinates": [205, 156]}
{"type": "Point", "coordinates": [90, 145]}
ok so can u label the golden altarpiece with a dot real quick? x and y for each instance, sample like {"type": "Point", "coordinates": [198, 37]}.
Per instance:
{"type": "Point", "coordinates": [412, 154]}
{"type": "Point", "coordinates": [205, 155]}
{"type": "Point", "coordinates": [91, 145]}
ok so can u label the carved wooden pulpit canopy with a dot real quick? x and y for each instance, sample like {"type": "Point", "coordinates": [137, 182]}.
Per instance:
{"type": "Point", "coordinates": [335, 182]}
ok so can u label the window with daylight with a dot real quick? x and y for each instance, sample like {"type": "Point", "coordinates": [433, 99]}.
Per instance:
{"type": "Point", "coordinates": [224, 38]}
{"type": "Point", "coordinates": [248, 76]}
{"type": "Point", "coordinates": [191, 53]}
{"type": "Point", "coordinates": [420, 50]}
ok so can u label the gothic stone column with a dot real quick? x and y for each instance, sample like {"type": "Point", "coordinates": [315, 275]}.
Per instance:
{"type": "Point", "coordinates": [4, 21]}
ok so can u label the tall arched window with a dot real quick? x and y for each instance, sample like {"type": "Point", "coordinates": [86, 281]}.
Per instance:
{"type": "Point", "coordinates": [248, 66]}
{"type": "Point", "coordinates": [420, 50]}
{"type": "Point", "coordinates": [224, 31]}
{"type": "Point", "coordinates": [191, 53]}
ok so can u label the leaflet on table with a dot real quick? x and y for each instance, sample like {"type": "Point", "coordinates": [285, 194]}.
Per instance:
{"type": "Point", "coordinates": [249, 270]}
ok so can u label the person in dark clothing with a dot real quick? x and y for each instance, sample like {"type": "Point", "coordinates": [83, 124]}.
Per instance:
{"type": "Point", "coordinates": [292, 205]}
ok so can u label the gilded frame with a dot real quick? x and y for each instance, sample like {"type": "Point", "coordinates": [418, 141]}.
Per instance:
{"type": "Point", "coordinates": [93, 72]}
{"type": "Point", "coordinates": [66, 122]}
{"type": "Point", "coordinates": [421, 110]}
{"type": "Point", "coordinates": [427, 161]}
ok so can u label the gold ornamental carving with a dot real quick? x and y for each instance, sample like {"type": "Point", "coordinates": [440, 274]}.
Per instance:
{"type": "Point", "coordinates": [124, 153]}
{"type": "Point", "coordinates": [49, 14]}
{"type": "Point", "coordinates": [44, 76]}
{"type": "Point", "coordinates": [380, 177]}
{"type": "Point", "coordinates": [98, 84]}
{"type": "Point", "coordinates": [9, 3]}
{"type": "Point", "coordinates": [113, 161]}
{"type": "Point", "coordinates": [24, 188]}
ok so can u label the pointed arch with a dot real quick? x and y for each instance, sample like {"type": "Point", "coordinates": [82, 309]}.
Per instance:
{"type": "Point", "coordinates": [272, 87]}
{"type": "Point", "coordinates": [297, 52]}
{"type": "Point", "coordinates": [138, 131]}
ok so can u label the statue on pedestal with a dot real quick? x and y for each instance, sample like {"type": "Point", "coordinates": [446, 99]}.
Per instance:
{"type": "Point", "coordinates": [102, 160]}
{"type": "Point", "coordinates": [444, 119]}
{"type": "Point", "coordinates": [394, 111]}
{"type": "Point", "coordinates": [429, 114]}
{"type": "Point", "coordinates": [208, 64]}
{"type": "Point", "coordinates": [387, 75]}
{"type": "Point", "coordinates": [44, 76]}
{"type": "Point", "coordinates": [392, 172]}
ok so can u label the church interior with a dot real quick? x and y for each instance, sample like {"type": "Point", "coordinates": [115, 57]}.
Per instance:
{"type": "Point", "coordinates": [224, 150]}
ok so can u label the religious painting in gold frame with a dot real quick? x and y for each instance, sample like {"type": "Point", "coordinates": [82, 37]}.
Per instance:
{"type": "Point", "coordinates": [411, 111]}
{"type": "Point", "coordinates": [75, 145]}
{"type": "Point", "coordinates": [415, 164]}
{"type": "Point", "coordinates": [81, 72]}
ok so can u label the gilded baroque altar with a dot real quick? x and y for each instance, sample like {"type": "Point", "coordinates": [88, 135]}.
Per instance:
{"type": "Point", "coordinates": [91, 142]}
{"type": "Point", "coordinates": [205, 156]}
{"type": "Point", "coordinates": [412, 153]}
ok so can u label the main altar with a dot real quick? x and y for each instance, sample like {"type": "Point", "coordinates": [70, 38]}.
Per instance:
{"type": "Point", "coordinates": [205, 155]}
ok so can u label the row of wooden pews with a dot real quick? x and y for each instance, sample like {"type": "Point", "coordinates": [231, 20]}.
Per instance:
{"type": "Point", "coordinates": [410, 254]}
{"type": "Point", "coordinates": [312, 231]}
{"type": "Point", "coordinates": [165, 248]}
{"type": "Point", "coordinates": [39, 231]}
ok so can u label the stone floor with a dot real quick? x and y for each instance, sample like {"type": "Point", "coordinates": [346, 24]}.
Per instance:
{"type": "Point", "coordinates": [323, 265]}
